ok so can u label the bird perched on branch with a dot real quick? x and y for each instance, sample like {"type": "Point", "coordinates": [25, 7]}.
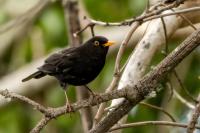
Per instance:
{"type": "Point", "coordinates": [75, 66]}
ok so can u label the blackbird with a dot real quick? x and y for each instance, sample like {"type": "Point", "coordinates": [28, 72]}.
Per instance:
{"type": "Point", "coordinates": [77, 65]}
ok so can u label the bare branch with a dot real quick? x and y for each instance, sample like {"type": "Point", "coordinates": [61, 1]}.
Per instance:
{"type": "Point", "coordinates": [187, 20]}
{"type": "Point", "coordinates": [149, 16]}
{"type": "Point", "coordinates": [173, 13]}
{"type": "Point", "coordinates": [130, 21]}
{"type": "Point", "coordinates": [182, 86]}
{"type": "Point", "coordinates": [40, 125]}
{"type": "Point", "coordinates": [11, 95]}
{"type": "Point", "coordinates": [194, 119]}
{"type": "Point", "coordinates": [160, 109]}
{"type": "Point", "coordinates": [145, 123]}
{"type": "Point", "coordinates": [183, 100]}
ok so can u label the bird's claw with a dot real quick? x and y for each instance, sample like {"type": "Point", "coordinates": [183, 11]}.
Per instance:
{"type": "Point", "coordinates": [69, 108]}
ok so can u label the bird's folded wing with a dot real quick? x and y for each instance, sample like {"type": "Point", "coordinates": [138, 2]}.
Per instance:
{"type": "Point", "coordinates": [60, 62]}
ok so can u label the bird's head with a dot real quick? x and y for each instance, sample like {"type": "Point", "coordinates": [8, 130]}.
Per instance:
{"type": "Point", "coordinates": [100, 41]}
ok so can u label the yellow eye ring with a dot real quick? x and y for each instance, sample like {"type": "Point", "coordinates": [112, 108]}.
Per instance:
{"type": "Point", "coordinates": [96, 43]}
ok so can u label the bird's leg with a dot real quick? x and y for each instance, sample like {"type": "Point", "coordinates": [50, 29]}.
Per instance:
{"type": "Point", "coordinates": [91, 92]}
{"type": "Point", "coordinates": [94, 95]}
{"type": "Point", "coordinates": [68, 105]}
{"type": "Point", "coordinates": [67, 101]}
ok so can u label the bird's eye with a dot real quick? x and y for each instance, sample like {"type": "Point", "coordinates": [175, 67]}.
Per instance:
{"type": "Point", "coordinates": [96, 43]}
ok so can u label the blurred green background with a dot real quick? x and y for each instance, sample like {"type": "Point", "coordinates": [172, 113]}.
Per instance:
{"type": "Point", "coordinates": [49, 27]}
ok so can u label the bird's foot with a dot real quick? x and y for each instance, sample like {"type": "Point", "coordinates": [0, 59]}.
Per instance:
{"type": "Point", "coordinates": [69, 108]}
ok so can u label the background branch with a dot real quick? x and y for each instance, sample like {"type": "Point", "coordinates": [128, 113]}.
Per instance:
{"type": "Point", "coordinates": [194, 119]}
{"type": "Point", "coordinates": [145, 123]}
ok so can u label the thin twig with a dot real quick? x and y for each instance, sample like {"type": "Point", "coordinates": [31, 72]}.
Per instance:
{"type": "Point", "coordinates": [194, 119]}
{"type": "Point", "coordinates": [160, 109]}
{"type": "Point", "coordinates": [149, 16]}
{"type": "Point", "coordinates": [183, 100]}
{"type": "Point", "coordinates": [165, 35]}
{"type": "Point", "coordinates": [130, 21]}
{"type": "Point", "coordinates": [183, 88]}
{"type": "Point", "coordinates": [172, 13]}
{"type": "Point", "coordinates": [186, 19]}
{"type": "Point", "coordinates": [169, 85]}
{"type": "Point", "coordinates": [89, 25]}
{"type": "Point", "coordinates": [167, 51]}
{"type": "Point", "coordinates": [40, 125]}
{"type": "Point", "coordinates": [123, 47]}
{"type": "Point", "coordinates": [92, 30]}
{"type": "Point", "coordinates": [145, 123]}
{"type": "Point", "coordinates": [15, 96]}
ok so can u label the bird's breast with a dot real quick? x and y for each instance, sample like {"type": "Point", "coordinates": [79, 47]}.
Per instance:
{"type": "Point", "coordinates": [85, 71]}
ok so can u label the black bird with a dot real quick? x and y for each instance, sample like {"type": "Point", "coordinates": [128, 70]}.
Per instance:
{"type": "Point", "coordinates": [75, 66]}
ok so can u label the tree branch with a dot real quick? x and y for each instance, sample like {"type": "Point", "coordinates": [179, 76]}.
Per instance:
{"type": "Point", "coordinates": [194, 119]}
{"type": "Point", "coordinates": [153, 11]}
{"type": "Point", "coordinates": [12, 95]}
{"type": "Point", "coordinates": [160, 109]}
{"type": "Point", "coordinates": [145, 123]}
{"type": "Point", "coordinates": [40, 125]}
{"type": "Point", "coordinates": [148, 83]}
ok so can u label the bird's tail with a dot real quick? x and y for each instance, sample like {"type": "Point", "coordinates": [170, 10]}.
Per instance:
{"type": "Point", "coordinates": [35, 75]}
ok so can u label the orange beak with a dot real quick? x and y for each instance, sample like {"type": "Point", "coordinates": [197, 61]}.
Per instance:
{"type": "Point", "coordinates": [109, 43]}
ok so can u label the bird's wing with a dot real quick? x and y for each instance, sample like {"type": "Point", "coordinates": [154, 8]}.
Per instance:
{"type": "Point", "coordinates": [60, 62]}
